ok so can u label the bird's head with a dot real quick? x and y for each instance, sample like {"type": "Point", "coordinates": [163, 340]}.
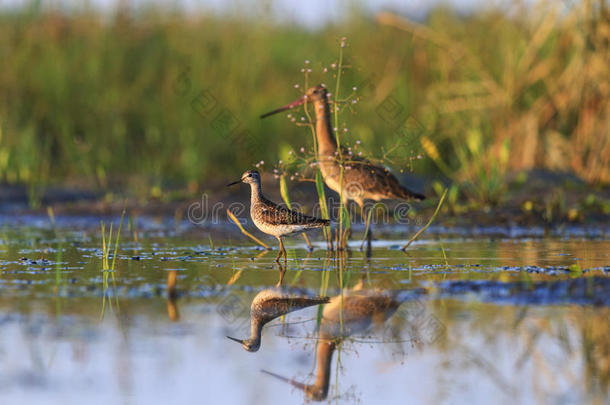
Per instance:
{"type": "Point", "coordinates": [312, 95]}
{"type": "Point", "coordinates": [251, 345]}
{"type": "Point", "coordinates": [249, 177]}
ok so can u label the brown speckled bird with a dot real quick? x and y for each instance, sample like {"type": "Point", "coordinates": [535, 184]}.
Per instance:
{"type": "Point", "coordinates": [273, 219]}
{"type": "Point", "coordinates": [270, 304]}
{"type": "Point", "coordinates": [351, 313]}
{"type": "Point", "coordinates": [362, 179]}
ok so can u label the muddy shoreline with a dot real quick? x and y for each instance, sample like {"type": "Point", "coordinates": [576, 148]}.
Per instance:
{"type": "Point", "coordinates": [551, 203]}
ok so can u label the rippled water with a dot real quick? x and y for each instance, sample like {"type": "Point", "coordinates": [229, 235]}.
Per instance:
{"type": "Point", "coordinates": [455, 319]}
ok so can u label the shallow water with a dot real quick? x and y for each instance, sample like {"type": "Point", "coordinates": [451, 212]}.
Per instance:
{"type": "Point", "coordinates": [465, 320]}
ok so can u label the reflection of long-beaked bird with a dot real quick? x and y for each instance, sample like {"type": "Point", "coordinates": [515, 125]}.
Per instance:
{"type": "Point", "coordinates": [270, 304]}
{"type": "Point", "coordinates": [273, 219]}
{"type": "Point", "coordinates": [362, 180]}
{"type": "Point", "coordinates": [359, 310]}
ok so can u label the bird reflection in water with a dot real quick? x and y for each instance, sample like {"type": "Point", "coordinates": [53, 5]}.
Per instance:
{"type": "Point", "coordinates": [272, 303]}
{"type": "Point", "coordinates": [345, 315]}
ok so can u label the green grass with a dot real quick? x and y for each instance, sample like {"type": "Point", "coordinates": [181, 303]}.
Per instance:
{"type": "Point", "coordinates": [118, 101]}
{"type": "Point", "coordinates": [108, 266]}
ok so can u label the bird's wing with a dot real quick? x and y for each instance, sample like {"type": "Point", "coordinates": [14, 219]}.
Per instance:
{"type": "Point", "coordinates": [275, 307]}
{"type": "Point", "coordinates": [277, 214]}
{"type": "Point", "coordinates": [375, 178]}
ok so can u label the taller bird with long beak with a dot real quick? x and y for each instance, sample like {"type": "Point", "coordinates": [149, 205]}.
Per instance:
{"type": "Point", "coordinates": [347, 314]}
{"type": "Point", "coordinates": [362, 179]}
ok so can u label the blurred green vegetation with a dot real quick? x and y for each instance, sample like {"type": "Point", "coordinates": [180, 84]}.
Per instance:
{"type": "Point", "coordinates": [150, 100]}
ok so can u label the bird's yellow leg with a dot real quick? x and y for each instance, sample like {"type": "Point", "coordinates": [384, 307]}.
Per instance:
{"type": "Point", "coordinates": [282, 272]}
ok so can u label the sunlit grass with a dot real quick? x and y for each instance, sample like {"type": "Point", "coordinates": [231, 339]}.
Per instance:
{"type": "Point", "coordinates": [99, 100]}
{"type": "Point", "coordinates": [108, 266]}
{"type": "Point", "coordinates": [235, 220]}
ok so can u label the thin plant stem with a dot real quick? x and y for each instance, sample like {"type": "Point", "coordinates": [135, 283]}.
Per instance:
{"type": "Point", "coordinates": [248, 234]}
{"type": "Point", "coordinates": [319, 183]}
{"type": "Point", "coordinates": [287, 201]}
{"type": "Point", "coordinates": [422, 230]}
{"type": "Point", "coordinates": [340, 231]}
{"type": "Point", "coordinates": [116, 248]}
{"type": "Point", "coordinates": [368, 224]}
{"type": "Point", "coordinates": [107, 266]}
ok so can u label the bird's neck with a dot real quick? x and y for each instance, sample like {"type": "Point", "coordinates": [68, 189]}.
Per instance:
{"type": "Point", "coordinates": [327, 144]}
{"type": "Point", "coordinates": [324, 356]}
{"type": "Point", "coordinates": [256, 193]}
{"type": "Point", "coordinates": [256, 328]}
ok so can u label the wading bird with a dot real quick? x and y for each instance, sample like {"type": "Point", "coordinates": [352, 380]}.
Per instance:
{"type": "Point", "coordinates": [362, 180]}
{"type": "Point", "coordinates": [273, 219]}
{"type": "Point", "coordinates": [270, 304]}
{"type": "Point", "coordinates": [351, 313]}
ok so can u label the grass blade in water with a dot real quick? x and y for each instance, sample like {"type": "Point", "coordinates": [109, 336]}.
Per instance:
{"type": "Point", "coordinates": [438, 208]}
{"type": "Point", "coordinates": [248, 234]}
{"type": "Point", "coordinates": [286, 198]}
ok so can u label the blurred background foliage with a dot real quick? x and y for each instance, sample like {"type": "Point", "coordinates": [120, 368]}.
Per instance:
{"type": "Point", "coordinates": [151, 99]}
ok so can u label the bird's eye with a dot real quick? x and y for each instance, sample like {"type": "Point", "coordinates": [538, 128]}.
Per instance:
{"type": "Point", "coordinates": [250, 175]}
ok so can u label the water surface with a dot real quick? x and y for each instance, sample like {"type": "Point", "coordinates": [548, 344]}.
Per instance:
{"type": "Point", "coordinates": [466, 319]}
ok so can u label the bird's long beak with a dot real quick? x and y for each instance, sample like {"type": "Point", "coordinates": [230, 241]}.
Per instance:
{"type": "Point", "coordinates": [234, 183]}
{"type": "Point", "coordinates": [290, 106]}
{"type": "Point", "coordinates": [236, 340]}
{"type": "Point", "coordinates": [286, 380]}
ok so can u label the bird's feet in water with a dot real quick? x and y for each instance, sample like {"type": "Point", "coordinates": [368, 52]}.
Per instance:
{"type": "Point", "coordinates": [282, 270]}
